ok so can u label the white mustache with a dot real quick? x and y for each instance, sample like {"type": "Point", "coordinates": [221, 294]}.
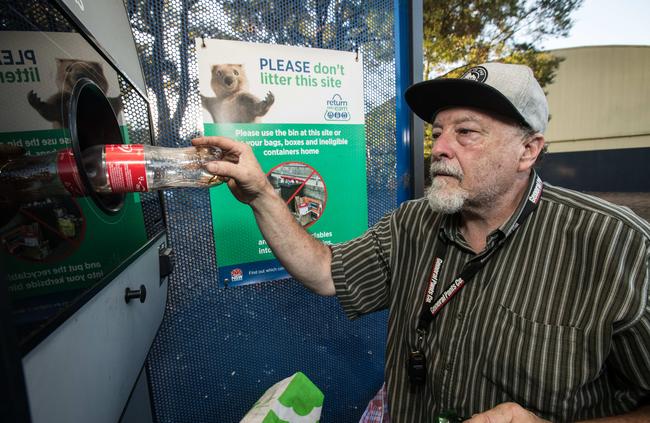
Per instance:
{"type": "Point", "coordinates": [446, 169]}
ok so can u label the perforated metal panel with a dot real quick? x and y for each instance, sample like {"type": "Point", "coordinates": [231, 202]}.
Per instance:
{"type": "Point", "coordinates": [218, 350]}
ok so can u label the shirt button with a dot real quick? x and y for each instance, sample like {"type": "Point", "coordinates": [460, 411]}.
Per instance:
{"type": "Point", "coordinates": [460, 315]}
{"type": "Point", "coordinates": [448, 366]}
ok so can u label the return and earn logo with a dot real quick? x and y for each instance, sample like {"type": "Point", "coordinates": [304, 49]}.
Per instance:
{"type": "Point", "coordinates": [336, 109]}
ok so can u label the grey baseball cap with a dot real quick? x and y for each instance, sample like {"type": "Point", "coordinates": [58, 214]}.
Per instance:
{"type": "Point", "coordinates": [507, 89]}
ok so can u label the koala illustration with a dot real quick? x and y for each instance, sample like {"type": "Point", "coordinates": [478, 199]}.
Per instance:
{"type": "Point", "coordinates": [232, 102]}
{"type": "Point", "coordinates": [68, 72]}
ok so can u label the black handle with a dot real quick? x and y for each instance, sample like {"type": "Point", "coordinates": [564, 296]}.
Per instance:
{"type": "Point", "coordinates": [132, 294]}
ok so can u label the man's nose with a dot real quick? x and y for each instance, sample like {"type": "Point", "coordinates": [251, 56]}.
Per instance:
{"type": "Point", "coordinates": [441, 147]}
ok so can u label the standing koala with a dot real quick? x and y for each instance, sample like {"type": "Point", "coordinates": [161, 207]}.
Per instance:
{"type": "Point", "coordinates": [232, 102]}
{"type": "Point", "coordinates": [68, 72]}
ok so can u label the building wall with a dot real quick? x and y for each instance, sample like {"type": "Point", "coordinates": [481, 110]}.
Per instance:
{"type": "Point", "coordinates": [599, 133]}
{"type": "Point", "coordinates": [600, 99]}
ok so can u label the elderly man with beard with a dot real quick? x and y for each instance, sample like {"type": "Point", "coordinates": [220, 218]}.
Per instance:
{"type": "Point", "coordinates": [510, 300]}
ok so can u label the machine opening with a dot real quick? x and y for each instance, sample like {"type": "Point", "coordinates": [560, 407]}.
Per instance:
{"type": "Point", "coordinates": [93, 122]}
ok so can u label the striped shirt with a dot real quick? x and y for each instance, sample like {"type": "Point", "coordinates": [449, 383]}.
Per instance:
{"type": "Point", "coordinates": [557, 320]}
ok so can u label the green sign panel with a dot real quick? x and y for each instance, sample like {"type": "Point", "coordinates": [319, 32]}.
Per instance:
{"type": "Point", "coordinates": [301, 111]}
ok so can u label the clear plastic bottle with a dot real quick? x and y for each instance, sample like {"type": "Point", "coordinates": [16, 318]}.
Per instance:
{"type": "Point", "coordinates": [34, 177]}
{"type": "Point", "coordinates": [118, 168]}
{"type": "Point", "coordinates": [111, 168]}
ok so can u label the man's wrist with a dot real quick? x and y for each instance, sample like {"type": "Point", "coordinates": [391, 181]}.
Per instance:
{"type": "Point", "coordinates": [265, 197]}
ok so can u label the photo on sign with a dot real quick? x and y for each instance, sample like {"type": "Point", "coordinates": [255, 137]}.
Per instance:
{"type": "Point", "coordinates": [302, 189]}
{"type": "Point", "coordinates": [232, 101]}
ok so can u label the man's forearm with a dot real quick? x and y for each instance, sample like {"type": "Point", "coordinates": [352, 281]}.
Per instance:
{"type": "Point", "coordinates": [305, 258]}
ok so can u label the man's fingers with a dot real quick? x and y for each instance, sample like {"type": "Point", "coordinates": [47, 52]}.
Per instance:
{"type": "Point", "coordinates": [490, 417]}
{"type": "Point", "coordinates": [508, 412]}
{"type": "Point", "coordinates": [245, 177]}
{"type": "Point", "coordinates": [224, 168]}
{"type": "Point", "coordinates": [232, 150]}
{"type": "Point", "coordinates": [221, 142]}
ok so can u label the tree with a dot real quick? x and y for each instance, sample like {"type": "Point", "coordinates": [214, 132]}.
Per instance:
{"type": "Point", "coordinates": [459, 33]}
{"type": "Point", "coordinates": [165, 31]}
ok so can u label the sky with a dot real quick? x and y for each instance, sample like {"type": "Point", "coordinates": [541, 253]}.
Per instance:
{"type": "Point", "coordinates": [607, 22]}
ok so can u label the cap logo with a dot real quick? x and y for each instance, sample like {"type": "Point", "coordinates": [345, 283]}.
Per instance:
{"type": "Point", "coordinates": [478, 73]}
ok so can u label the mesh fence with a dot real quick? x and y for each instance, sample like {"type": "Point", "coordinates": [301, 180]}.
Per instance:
{"type": "Point", "coordinates": [218, 350]}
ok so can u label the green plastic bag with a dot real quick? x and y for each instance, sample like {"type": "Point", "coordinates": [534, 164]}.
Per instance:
{"type": "Point", "coordinates": [292, 400]}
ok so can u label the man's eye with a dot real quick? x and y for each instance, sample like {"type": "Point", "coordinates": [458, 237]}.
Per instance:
{"type": "Point", "coordinates": [435, 135]}
{"type": "Point", "coordinates": [464, 131]}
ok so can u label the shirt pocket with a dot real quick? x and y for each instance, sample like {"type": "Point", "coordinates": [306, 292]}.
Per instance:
{"type": "Point", "coordinates": [534, 364]}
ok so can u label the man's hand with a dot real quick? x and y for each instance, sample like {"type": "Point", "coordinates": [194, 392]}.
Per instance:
{"type": "Point", "coordinates": [508, 412]}
{"type": "Point", "coordinates": [246, 179]}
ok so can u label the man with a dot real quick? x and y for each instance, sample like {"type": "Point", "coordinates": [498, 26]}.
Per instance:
{"type": "Point", "coordinates": [510, 300]}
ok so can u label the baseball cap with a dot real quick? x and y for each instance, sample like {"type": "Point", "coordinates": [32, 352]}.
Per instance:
{"type": "Point", "coordinates": [507, 89]}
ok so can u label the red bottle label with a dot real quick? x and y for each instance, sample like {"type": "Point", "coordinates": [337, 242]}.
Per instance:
{"type": "Point", "coordinates": [126, 167]}
{"type": "Point", "coordinates": [66, 168]}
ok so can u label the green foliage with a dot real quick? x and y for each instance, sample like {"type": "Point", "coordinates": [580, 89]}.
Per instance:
{"type": "Point", "coordinates": [458, 32]}
{"type": "Point", "coordinates": [462, 33]}
{"type": "Point", "coordinates": [165, 31]}
{"type": "Point", "coordinates": [330, 24]}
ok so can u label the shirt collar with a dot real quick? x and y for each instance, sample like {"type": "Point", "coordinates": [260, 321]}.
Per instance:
{"type": "Point", "coordinates": [450, 228]}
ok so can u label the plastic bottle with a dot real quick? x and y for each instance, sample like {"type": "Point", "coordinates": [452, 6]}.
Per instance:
{"type": "Point", "coordinates": [111, 168]}
{"type": "Point", "coordinates": [118, 168]}
{"type": "Point", "coordinates": [35, 177]}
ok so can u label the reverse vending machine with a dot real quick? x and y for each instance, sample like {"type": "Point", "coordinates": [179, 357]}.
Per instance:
{"type": "Point", "coordinates": [83, 276]}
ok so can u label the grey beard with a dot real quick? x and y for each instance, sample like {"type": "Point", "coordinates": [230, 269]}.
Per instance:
{"type": "Point", "coordinates": [446, 203]}
{"type": "Point", "coordinates": [441, 198]}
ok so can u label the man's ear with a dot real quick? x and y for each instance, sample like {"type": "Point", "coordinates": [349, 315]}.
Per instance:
{"type": "Point", "coordinates": [533, 146]}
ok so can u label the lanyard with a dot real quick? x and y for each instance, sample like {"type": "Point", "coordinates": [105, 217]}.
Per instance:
{"type": "Point", "coordinates": [432, 307]}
